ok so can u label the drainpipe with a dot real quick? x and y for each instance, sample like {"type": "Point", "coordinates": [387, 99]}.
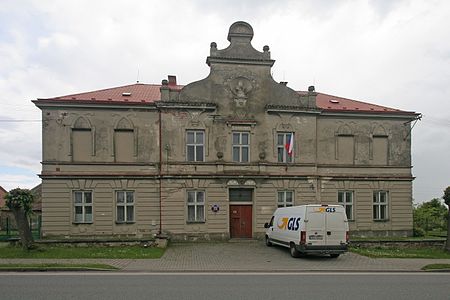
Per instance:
{"type": "Point", "coordinates": [165, 96]}
{"type": "Point", "coordinates": [160, 172]}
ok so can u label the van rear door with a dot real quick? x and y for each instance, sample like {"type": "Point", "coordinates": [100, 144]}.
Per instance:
{"type": "Point", "coordinates": [315, 226]}
{"type": "Point", "coordinates": [335, 227]}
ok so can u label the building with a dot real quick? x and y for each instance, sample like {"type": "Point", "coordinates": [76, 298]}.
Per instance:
{"type": "Point", "coordinates": [213, 159]}
{"type": "Point", "coordinates": [3, 193]}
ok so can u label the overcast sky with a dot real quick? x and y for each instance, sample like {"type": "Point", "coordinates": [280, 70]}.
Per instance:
{"type": "Point", "coordinates": [392, 53]}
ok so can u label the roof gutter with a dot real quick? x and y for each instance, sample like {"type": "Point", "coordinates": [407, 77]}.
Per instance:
{"type": "Point", "coordinates": [91, 104]}
{"type": "Point", "coordinates": [362, 114]}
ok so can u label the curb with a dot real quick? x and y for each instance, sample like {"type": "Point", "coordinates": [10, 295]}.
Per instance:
{"type": "Point", "coordinates": [56, 269]}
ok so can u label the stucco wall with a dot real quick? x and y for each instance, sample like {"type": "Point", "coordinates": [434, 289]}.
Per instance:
{"type": "Point", "coordinates": [332, 151]}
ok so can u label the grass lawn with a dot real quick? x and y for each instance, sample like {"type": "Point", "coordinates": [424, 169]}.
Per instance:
{"type": "Point", "coordinates": [383, 252]}
{"type": "Point", "coordinates": [390, 238]}
{"type": "Point", "coordinates": [54, 267]}
{"type": "Point", "coordinates": [433, 267]}
{"type": "Point", "coordinates": [64, 251]}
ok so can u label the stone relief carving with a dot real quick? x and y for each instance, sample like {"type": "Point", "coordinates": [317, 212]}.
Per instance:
{"type": "Point", "coordinates": [345, 129]}
{"type": "Point", "coordinates": [219, 145]}
{"type": "Point", "coordinates": [262, 148]}
{"type": "Point", "coordinates": [124, 123]}
{"type": "Point", "coordinates": [379, 130]}
{"type": "Point", "coordinates": [285, 126]}
{"type": "Point", "coordinates": [240, 88]}
{"type": "Point", "coordinates": [81, 122]}
{"type": "Point", "coordinates": [194, 118]}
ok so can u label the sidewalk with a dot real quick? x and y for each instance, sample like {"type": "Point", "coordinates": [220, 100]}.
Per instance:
{"type": "Point", "coordinates": [245, 256]}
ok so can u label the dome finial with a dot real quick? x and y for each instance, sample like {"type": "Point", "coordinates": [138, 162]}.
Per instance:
{"type": "Point", "coordinates": [240, 30]}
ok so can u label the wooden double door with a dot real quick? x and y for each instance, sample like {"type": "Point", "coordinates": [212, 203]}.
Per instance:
{"type": "Point", "coordinates": [240, 221]}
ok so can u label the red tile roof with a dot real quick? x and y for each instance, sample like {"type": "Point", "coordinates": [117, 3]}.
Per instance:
{"type": "Point", "coordinates": [148, 93]}
{"type": "Point", "coordinates": [334, 103]}
{"type": "Point", "coordinates": [133, 93]}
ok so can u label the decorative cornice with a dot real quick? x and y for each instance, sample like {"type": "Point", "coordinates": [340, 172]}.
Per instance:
{"type": "Point", "coordinates": [185, 105]}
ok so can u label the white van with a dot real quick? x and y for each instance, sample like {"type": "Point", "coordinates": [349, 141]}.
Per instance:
{"type": "Point", "coordinates": [313, 228]}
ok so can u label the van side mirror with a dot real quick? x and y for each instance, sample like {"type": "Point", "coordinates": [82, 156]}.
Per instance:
{"type": "Point", "coordinates": [266, 225]}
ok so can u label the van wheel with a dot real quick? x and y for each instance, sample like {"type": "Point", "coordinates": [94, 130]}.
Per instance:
{"type": "Point", "coordinates": [294, 252]}
{"type": "Point", "coordinates": [268, 242]}
{"type": "Point", "coordinates": [334, 255]}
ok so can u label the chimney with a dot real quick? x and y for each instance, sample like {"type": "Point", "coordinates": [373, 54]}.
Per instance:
{"type": "Point", "coordinates": [312, 94]}
{"type": "Point", "coordinates": [164, 89]}
{"type": "Point", "coordinates": [172, 80]}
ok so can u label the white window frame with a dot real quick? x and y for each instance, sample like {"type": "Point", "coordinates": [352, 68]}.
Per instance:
{"type": "Point", "coordinates": [126, 206]}
{"type": "Point", "coordinates": [283, 195]}
{"type": "Point", "coordinates": [379, 206]}
{"type": "Point", "coordinates": [286, 158]}
{"type": "Point", "coordinates": [345, 198]}
{"type": "Point", "coordinates": [197, 204]}
{"type": "Point", "coordinates": [240, 146]}
{"type": "Point", "coordinates": [85, 206]}
{"type": "Point", "coordinates": [195, 145]}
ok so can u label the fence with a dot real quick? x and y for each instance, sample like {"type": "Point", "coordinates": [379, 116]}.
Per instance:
{"type": "Point", "coordinates": [8, 228]}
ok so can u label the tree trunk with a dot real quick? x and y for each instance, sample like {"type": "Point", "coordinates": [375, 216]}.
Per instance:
{"type": "Point", "coordinates": [447, 244]}
{"type": "Point", "coordinates": [26, 239]}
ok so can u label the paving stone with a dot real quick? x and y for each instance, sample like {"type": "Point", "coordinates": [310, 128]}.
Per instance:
{"type": "Point", "coordinates": [245, 256]}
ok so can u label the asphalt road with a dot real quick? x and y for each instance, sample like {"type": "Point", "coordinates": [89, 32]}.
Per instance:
{"type": "Point", "coordinates": [217, 286]}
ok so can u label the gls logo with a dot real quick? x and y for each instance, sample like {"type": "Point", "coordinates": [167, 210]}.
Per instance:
{"type": "Point", "coordinates": [289, 224]}
{"type": "Point", "coordinates": [327, 209]}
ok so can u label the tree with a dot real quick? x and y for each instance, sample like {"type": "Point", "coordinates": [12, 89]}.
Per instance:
{"type": "Point", "coordinates": [428, 216]}
{"type": "Point", "coordinates": [19, 201]}
{"type": "Point", "coordinates": [446, 198]}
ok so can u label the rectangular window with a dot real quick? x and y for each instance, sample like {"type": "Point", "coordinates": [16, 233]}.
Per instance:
{"type": "Point", "coordinates": [283, 140]}
{"type": "Point", "coordinates": [124, 206]}
{"type": "Point", "coordinates": [346, 149]}
{"type": "Point", "coordinates": [196, 206]}
{"type": "Point", "coordinates": [285, 198]}
{"type": "Point", "coordinates": [345, 198]}
{"type": "Point", "coordinates": [380, 205]}
{"type": "Point", "coordinates": [124, 145]}
{"type": "Point", "coordinates": [380, 150]}
{"type": "Point", "coordinates": [81, 144]}
{"type": "Point", "coordinates": [195, 145]}
{"type": "Point", "coordinates": [82, 206]}
{"type": "Point", "coordinates": [241, 146]}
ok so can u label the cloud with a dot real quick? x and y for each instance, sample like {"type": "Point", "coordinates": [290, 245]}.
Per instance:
{"type": "Point", "coordinates": [9, 182]}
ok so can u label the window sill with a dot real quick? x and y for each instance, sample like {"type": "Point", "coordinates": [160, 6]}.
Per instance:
{"type": "Point", "coordinates": [82, 223]}
{"type": "Point", "coordinates": [195, 222]}
{"type": "Point", "coordinates": [125, 222]}
{"type": "Point", "coordinates": [381, 221]}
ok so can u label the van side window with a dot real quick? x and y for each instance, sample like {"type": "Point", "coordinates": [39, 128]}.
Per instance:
{"type": "Point", "coordinates": [271, 221]}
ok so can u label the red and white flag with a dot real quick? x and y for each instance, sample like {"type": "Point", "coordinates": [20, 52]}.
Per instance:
{"type": "Point", "coordinates": [290, 144]}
